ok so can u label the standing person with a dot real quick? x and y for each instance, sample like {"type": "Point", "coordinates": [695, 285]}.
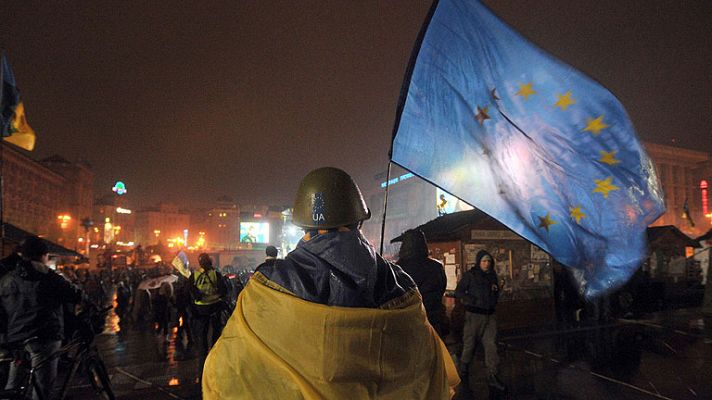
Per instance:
{"type": "Point", "coordinates": [333, 319]}
{"type": "Point", "coordinates": [479, 291]}
{"type": "Point", "coordinates": [428, 274]}
{"type": "Point", "coordinates": [32, 297]}
{"type": "Point", "coordinates": [161, 310]}
{"type": "Point", "coordinates": [182, 303]}
{"type": "Point", "coordinates": [208, 290]}
{"type": "Point", "coordinates": [270, 256]}
{"type": "Point", "coordinates": [123, 301]}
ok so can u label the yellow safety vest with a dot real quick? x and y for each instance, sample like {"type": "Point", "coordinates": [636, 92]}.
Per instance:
{"type": "Point", "coordinates": [207, 283]}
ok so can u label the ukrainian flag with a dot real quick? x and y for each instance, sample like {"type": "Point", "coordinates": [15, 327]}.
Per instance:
{"type": "Point", "coordinates": [13, 124]}
{"type": "Point", "coordinates": [278, 346]}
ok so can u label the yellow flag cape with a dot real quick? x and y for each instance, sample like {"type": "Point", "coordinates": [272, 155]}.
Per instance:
{"type": "Point", "coordinates": [278, 346]}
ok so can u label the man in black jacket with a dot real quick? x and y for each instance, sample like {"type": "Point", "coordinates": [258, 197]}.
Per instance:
{"type": "Point", "coordinates": [479, 291]}
{"type": "Point", "coordinates": [32, 296]}
{"type": "Point", "coordinates": [428, 274]}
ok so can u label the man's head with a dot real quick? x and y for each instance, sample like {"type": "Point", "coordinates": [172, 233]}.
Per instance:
{"type": "Point", "coordinates": [271, 252]}
{"type": "Point", "coordinates": [205, 261]}
{"type": "Point", "coordinates": [413, 245]}
{"type": "Point", "coordinates": [329, 198]}
{"type": "Point", "coordinates": [484, 261]}
{"type": "Point", "coordinates": [35, 249]}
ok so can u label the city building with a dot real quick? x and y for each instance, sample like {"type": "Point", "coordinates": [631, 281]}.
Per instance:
{"type": "Point", "coordinates": [164, 223]}
{"type": "Point", "coordinates": [222, 224]}
{"type": "Point", "coordinates": [48, 198]}
{"type": "Point", "coordinates": [682, 173]}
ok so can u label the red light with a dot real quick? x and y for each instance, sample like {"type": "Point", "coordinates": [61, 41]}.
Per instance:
{"type": "Point", "coordinates": [703, 186]}
{"type": "Point", "coordinates": [257, 215]}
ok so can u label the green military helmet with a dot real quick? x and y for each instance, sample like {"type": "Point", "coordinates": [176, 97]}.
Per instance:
{"type": "Point", "coordinates": [328, 198]}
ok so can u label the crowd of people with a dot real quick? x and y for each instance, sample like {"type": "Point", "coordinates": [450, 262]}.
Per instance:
{"type": "Point", "coordinates": [333, 292]}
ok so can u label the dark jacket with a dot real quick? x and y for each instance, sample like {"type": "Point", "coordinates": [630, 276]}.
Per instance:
{"type": "Point", "coordinates": [479, 290]}
{"type": "Point", "coordinates": [32, 296]}
{"type": "Point", "coordinates": [339, 269]}
{"type": "Point", "coordinates": [429, 276]}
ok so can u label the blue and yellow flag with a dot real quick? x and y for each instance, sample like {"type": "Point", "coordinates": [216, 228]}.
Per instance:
{"type": "Point", "coordinates": [181, 264]}
{"type": "Point", "coordinates": [529, 140]}
{"type": "Point", "coordinates": [13, 124]}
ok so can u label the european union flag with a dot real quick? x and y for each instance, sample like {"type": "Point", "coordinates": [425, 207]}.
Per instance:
{"type": "Point", "coordinates": [539, 146]}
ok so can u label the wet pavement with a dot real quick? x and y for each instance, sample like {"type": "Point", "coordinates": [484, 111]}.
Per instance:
{"type": "Point", "coordinates": [660, 356]}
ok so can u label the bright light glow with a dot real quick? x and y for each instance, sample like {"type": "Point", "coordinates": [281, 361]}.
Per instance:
{"type": "Point", "coordinates": [703, 187]}
{"type": "Point", "coordinates": [119, 188]}
{"type": "Point", "coordinates": [64, 220]}
{"type": "Point", "coordinates": [94, 246]}
{"type": "Point", "coordinates": [121, 210]}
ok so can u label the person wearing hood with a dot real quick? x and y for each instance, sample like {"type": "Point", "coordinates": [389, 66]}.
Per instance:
{"type": "Point", "coordinates": [428, 274]}
{"type": "Point", "coordinates": [333, 319]}
{"type": "Point", "coordinates": [478, 290]}
{"type": "Point", "coordinates": [32, 298]}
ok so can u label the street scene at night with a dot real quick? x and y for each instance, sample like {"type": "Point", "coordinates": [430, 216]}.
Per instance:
{"type": "Point", "coordinates": [406, 199]}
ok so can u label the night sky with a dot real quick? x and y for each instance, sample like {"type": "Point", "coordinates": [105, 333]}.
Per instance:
{"type": "Point", "coordinates": [188, 101]}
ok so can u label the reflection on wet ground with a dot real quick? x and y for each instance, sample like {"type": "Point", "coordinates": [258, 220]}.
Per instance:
{"type": "Point", "coordinates": [667, 356]}
{"type": "Point", "coordinates": [662, 356]}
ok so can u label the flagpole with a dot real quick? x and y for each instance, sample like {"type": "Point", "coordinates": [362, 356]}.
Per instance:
{"type": "Point", "coordinates": [385, 205]}
{"type": "Point", "coordinates": [2, 158]}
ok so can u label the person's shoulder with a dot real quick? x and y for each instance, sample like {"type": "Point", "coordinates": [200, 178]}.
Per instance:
{"type": "Point", "coordinates": [433, 262]}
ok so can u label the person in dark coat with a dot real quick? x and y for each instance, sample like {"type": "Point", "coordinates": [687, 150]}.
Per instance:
{"type": "Point", "coordinates": [270, 256]}
{"type": "Point", "coordinates": [32, 298]}
{"type": "Point", "coordinates": [478, 290]}
{"type": "Point", "coordinates": [428, 274]}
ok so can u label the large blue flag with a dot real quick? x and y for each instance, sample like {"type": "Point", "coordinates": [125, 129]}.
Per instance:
{"type": "Point", "coordinates": [539, 146]}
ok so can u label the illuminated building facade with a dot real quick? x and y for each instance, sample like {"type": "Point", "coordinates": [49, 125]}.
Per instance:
{"type": "Point", "coordinates": [222, 224]}
{"type": "Point", "coordinates": [49, 197]}
{"type": "Point", "coordinates": [164, 223]}
{"type": "Point", "coordinates": [681, 172]}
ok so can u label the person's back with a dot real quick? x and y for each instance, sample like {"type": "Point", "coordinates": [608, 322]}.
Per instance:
{"type": "Point", "coordinates": [331, 320]}
{"type": "Point", "coordinates": [428, 274]}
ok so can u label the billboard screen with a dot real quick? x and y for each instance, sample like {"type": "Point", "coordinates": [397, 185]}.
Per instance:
{"type": "Point", "coordinates": [254, 232]}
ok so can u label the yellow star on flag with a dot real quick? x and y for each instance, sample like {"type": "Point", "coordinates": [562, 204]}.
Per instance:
{"type": "Point", "coordinates": [526, 91]}
{"type": "Point", "coordinates": [546, 221]}
{"type": "Point", "coordinates": [595, 125]}
{"type": "Point", "coordinates": [564, 101]}
{"type": "Point", "coordinates": [609, 157]}
{"type": "Point", "coordinates": [482, 115]}
{"type": "Point", "coordinates": [576, 213]}
{"type": "Point", "coordinates": [604, 186]}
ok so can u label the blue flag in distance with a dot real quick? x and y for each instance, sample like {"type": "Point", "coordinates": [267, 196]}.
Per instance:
{"type": "Point", "coordinates": [529, 140]}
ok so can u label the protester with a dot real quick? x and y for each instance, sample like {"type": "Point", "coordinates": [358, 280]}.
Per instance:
{"type": "Point", "coordinates": [428, 274]}
{"type": "Point", "coordinates": [32, 298]}
{"type": "Point", "coordinates": [270, 257]}
{"type": "Point", "coordinates": [479, 291]}
{"type": "Point", "coordinates": [182, 304]}
{"type": "Point", "coordinates": [162, 310]}
{"type": "Point", "coordinates": [208, 290]}
{"type": "Point", "coordinates": [332, 320]}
